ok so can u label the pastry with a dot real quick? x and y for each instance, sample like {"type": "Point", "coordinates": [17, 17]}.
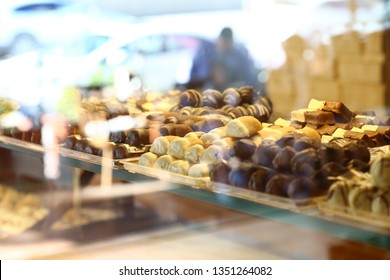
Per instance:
{"type": "Point", "coordinates": [147, 159]}
{"type": "Point", "coordinates": [212, 154]}
{"type": "Point", "coordinates": [282, 160]}
{"type": "Point", "coordinates": [199, 170]}
{"type": "Point", "coordinates": [243, 127]}
{"type": "Point", "coordinates": [380, 171]}
{"type": "Point", "coordinates": [193, 153]}
{"type": "Point", "coordinates": [163, 162]}
{"type": "Point", "coordinates": [231, 97]}
{"type": "Point", "coordinates": [209, 138]}
{"type": "Point", "coordinates": [179, 167]}
{"type": "Point", "coordinates": [219, 172]}
{"type": "Point", "coordinates": [260, 178]}
{"type": "Point", "coordinates": [160, 145]}
{"type": "Point", "coordinates": [243, 149]}
{"type": "Point", "coordinates": [190, 98]}
{"type": "Point", "coordinates": [240, 177]}
{"type": "Point", "coordinates": [278, 185]}
{"type": "Point", "coordinates": [265, 154]}
{"type": "Point", "coordinates": [301, 188]}
{"type": "Point", "coordinates": [178, 147]}
{"type": "Point", "coordinates": [212, 98]}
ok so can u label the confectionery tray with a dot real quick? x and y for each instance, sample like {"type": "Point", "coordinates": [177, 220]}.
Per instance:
{"type": "Point", "coordinates": [354, 217]}
{"type": "Point", "coordinates": [132, 165]}
{"type": "Point", "coordinates": [297, 205]}
{"type": "Point", "coordinates": [68, 152]}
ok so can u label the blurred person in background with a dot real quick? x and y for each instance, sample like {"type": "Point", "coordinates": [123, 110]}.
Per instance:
{"type": "Point", "coordinates": [222, 65]}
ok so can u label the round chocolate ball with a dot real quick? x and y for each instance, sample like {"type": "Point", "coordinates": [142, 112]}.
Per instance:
{"type": "Point", "coordinates": [265, 154]}
{"type": "Point", "coordinates": [305, 162]}
{"type": "Point", "coordinates": [212, 98]}
{"type": "Point", "coordinates": [306, 143]}
{"type": "Point", "coordinates": [278, 185]}
{"type": "Point", "coordinates": [118, 136]}
{"type": "Point", "coordinates": [80, 145]}
{"type": "Point", "coordinates": [120, 151]}
{"type": "Point", "coordinates": [243, 149]}
{"type": "Point", "coordinates": [219, 172]}
{"type": "Point", "coordinates": [357, 150]}
{"type": "Point", "coordinates": [301, 188]}
{"type": "Point", "coordinates": [190, 98]}
{"type": "Point", "coordinates": [240, 177]}
{"type": "Point", "coordinates": [260, 178]}
{"type": "Point", "coordinates": [282, 160]}
{"type": "Point", "coordinates": [331, 153]}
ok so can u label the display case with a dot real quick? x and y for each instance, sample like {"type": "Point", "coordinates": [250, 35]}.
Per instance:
{"type": "Point", "coordinates": [148, 217]}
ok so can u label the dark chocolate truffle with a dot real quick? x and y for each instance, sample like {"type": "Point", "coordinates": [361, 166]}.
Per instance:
{"type": "Point", "coordinates": [357, 150]}
{"type": "Point", "coordinates": [121, 151]}
{"type": "Point", "coordinates": [259, 111]}
{"type": "Point", "coordinates": [265, 154]}
{"type": "Point", "coordinates": [80, 145]}
{"type": "Point", "coordinates": [219, 172]}
{"type": "Point", "coordinates": [240, 177]}
{"type": "Point", "coordinates": [232, 97]}
{"type": "Point", "coordinates": [243, 149]}
{"type": "Point", "coordinates": [118, 136]}
{"type": "Point", "coordinates": [278, 185]}
{"type": "Point", "coordinates": [212, 98]}
{"type": "Point", "coordinates": [331, 152]}
{"type": "Point", "coordinates": [324, 177]}
{"type": "Point", "coordinates": [359, 165]}
{"type": "Point", "coordinates": [260, 178]}
{"type": "Point", "coordinates": [247, 94]}
{"type": "Point", "coordinates": [211, 123]}
{"type": "Point", "coordinates": [301, 188]}
{"type": "Point", "coordinates": [282, 160]}
{"type": "Point", "coordinates": [190, 98]}
{"type": "Point", "coordinates": [138, 137]}
{"type": "Point", "coordinates": [305, 162]}
{"type": "Point", "coordinates": [90, 149]}
{"type": "Point", "coordinates": [306, 143]}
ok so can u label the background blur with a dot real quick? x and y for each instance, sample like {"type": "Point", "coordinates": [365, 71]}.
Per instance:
{"type": "Point", "coordinates": [88, 43]}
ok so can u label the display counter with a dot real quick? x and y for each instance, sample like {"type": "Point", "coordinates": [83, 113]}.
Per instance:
{"type": "Point", "coordinates": [302, 232]}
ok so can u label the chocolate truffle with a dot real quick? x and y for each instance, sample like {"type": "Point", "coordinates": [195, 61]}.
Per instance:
{"type": "Point", "coordinates": [247, 94]}
{"type": "Point", "coordinates": [212, 98]}
{"type": "Point", "coordinates": [138, 137]}
{"type": "Point", "coordinates": [243, 149]}
{"type": "Point", "coordinates": [71, 140]}
{"type": "Point", "coordinates": [121, 151]}
{"type": "Point", "coordinates": [80, 145]}
{"type": "Point", "coordinates": [305, 162]}
{"type": "Point", "coordinates": [301, 188]}
{"type": "Point", "coordinates": [260, 178]}
{"type": "Point", "coordinates": [326, 175]}
{"type": "Point", "coordinates": [331, 152]}
{"type": "Point", "coordinates": [282, 160]}
{"type": "Point", "coordinates": [190, 98]}
{"type": "Point", "coordinates": [232, 97]}
{"type": "Point", "coordinates": [306, 143]}
{"type": "Point", "coordinates": [359, 165]}
{"type": "Point", "coordinates": [278, 185]}
{"type": "Point", "coordinates": [357, 150]}
{"type": "Point", "coordinates": [265, 154]}
{"type": "Point", "coordinates": [90, 149]}
{"type": "Point", "coordinates": [240, 177]}
{"type": "Point", "coordinates": [118, 136]}
{"type": "Point", "coordinates": [259, 111]}
{"type": "Point", "coordinates": [219, 172]}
